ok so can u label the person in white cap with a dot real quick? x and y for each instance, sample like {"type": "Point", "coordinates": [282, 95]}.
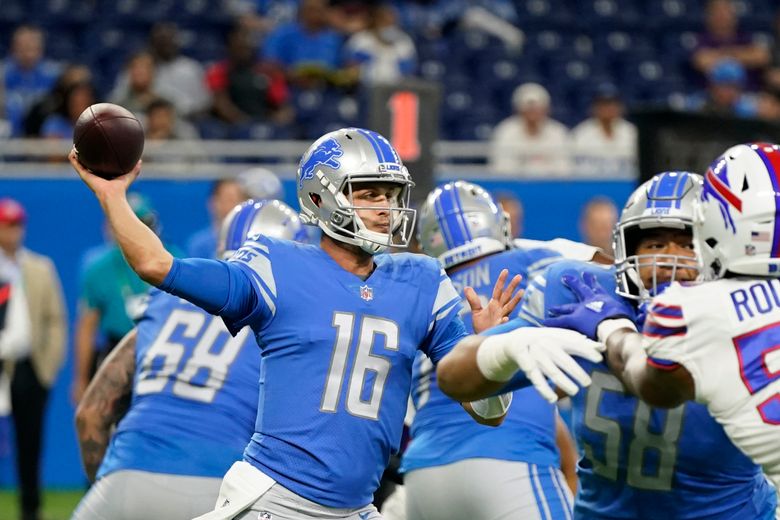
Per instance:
{"type": "Point", "coordinates": [530, 143]}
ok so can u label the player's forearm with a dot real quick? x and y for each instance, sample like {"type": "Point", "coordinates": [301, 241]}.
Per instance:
{"type": "Point", "coordinates": [101, 406]}
{"type": "Point", "coordinates": [628, 361]}
{"type": "Point", "coordinates": [626, 357]}
{"type": "Point", "coordinates": [458, 374]}
{"type": "Point", "coordinates": [141, 247]}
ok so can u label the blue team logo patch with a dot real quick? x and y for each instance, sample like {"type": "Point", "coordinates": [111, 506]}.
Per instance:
{"type": "Point", "coordinates": [326, 154]}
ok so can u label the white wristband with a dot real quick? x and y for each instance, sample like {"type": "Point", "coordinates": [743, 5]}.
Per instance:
{"type": "Point", "coordinates": [492, 407]}
{"type": "Point", "coordinates": [493, 361]}
{"type": "Point", "coordinates": [607, 327]}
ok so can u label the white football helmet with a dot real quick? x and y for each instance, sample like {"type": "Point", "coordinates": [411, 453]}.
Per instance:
{"type": "Point", "coordinates": [737, 228]}
{"type": "Point", "coordinates": [460, 221]}
{"type": "Point", "coordinates": [327, 175]}
{"type": "Point", "coordinates": [665, 201]}
{"type": "Point", "coordinates": [272, 218]}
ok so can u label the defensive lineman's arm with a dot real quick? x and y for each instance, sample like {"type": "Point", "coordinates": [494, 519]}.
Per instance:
{"type": "Point", "coordinates": [101, 407]}
{"type": "Point", "coordinates": [627, 359]}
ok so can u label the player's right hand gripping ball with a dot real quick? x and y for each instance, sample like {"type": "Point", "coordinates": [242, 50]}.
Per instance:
{"type": "Point", "coordinates": [108, 139]}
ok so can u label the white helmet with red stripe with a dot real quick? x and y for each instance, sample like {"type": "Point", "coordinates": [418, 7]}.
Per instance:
{"type": "Point", "coordinates": [737, 217]}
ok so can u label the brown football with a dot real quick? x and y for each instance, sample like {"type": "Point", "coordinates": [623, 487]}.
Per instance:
{"type": "Point", "coordinates": [109, 140]}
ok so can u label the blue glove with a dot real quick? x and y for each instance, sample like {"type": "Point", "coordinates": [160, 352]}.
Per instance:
{"type": "Point", "coordinates": [594, 306]}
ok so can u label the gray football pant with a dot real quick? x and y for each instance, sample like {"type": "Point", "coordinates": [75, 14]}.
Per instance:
{"type": "Point", "coordinates": [141, 495]}
{"type": "Point", "coordinates": [487, 489]}
{"type": "Point", "coordinates": [279, 503]}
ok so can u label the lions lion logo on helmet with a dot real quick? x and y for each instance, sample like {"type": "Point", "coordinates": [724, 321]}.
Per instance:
{"type": "Point", "coordinates": [325, 154]}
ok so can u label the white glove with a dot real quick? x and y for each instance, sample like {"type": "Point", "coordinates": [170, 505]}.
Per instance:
{"type": "Point", "coordinates": [540, 353]}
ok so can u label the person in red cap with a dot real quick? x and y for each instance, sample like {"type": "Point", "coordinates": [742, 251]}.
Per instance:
{"type": "Point", "coordinates": [32, 343]}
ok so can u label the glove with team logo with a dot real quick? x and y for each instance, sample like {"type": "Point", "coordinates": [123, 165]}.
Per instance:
{"type": "Point", "coordinates": [594, 306]}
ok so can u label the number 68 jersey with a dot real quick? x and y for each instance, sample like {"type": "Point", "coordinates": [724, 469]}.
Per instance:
{"type": "Point", "coordinates": [726, 333]}
{"type": "Point", "coordinates": [194, 394]}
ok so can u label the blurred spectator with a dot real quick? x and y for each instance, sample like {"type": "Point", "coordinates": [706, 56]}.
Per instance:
{"type": "Point", "coordinates": [382, 53]}
{"type": "Point", "coordinates": [437, 18]}
{"type": "Point", "coordinates": [772, 77]}
{"type": "Point", "coordinates": [529, 143]}
{"type": "Point", "coordinates": [513, 206]}
{"type": "Point", "coordinates": [245, 89]}
{"type": "Point", "coordinates": [225, 194]}
{"type": "Point", "coordinates": [112, 296]}
{"type": "Point", "coordinates": [722, 40]}
{"type": "Point", "coordinates": [54, 100]}
{"type": "Point", "coordinates": [725, 94]}
{"type": "Point", "coordinates": [163, 123]}
{"type": "Point", "coordinates": [35, 330]}
{"type": "Point", "coordinates": [179, 79]}
{"type": "Point", "coordinates": [135, 89]}
{"type": "Point", "coordinates": [27, 76]}
{"type": "Point", "coordinates": [308, 50]}
{"type": "Point", "coordinates": [597, 223]}
{"type": "Point", "coordinates": [260, 183]}
{"type": "Point", "coordinates": [260, 16]}
{"type": "Point", "coordinates": [77, 98]}
{"type": "Point", "coordinates": [605, 145]}
{"type": "Point", "coordinates": [351, 16]}
{"type": "Point", "coordinates": [768, 105]}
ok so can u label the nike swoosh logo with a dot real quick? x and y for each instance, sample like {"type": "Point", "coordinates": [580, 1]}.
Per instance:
{"type": "Point", "coordinates": [595, 306]}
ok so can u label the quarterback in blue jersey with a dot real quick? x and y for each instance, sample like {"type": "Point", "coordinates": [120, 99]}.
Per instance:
{"type": "Point", "coordinates": [194, 398]}
{"type": "Point", "coordinates": [487, 472]}
{"type": "Point", "coordinates": [639, 462]}
{"type": "Point", "coordinates": [339, 325]}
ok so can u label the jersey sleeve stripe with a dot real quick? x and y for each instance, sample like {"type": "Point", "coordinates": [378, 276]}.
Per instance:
{"type": "Point", "coordinates": [445, 295]}
{"type": "Point", "coordinates": [656, 330]}
{"type": "Point", "coordinates": [453, 304]}
{"type": "Point", "coordinates": [269, 301]}
{"type": "Point", "coordinates": [260, 264]}
{"type": "Point", "coordinates": [662, 364]}
{"type": "Point", "coordinates": [667, 311]}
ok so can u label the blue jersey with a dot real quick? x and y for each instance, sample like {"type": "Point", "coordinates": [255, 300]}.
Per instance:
{"type": "Point", "coordinates": [337, 362]}
{"type": "Point", "coordinates": [442, 432]}
{"type": "Point", "coordinates": [194, 394]}
{"type": "Point", "coordinates": [645, 463]}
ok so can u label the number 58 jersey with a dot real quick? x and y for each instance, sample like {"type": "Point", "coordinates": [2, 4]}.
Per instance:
{"type": "Point", "coordinates": [194, 394]}
{"type": "Point", "coordinates": [726, 333]}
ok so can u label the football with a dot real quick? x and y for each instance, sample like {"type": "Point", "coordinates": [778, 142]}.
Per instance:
{"type": "Point", "coordinates": [108, 139]}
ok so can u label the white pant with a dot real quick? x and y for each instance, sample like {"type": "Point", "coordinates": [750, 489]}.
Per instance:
{"type": "Point", "coordinates": [142, 495]}
{"type": "Point", "coordinates": [249, 494]}
{"type": "Point", "coordinates": [487, 489]}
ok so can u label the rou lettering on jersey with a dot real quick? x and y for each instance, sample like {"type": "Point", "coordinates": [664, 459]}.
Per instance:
{"type": "Point", "coordinates": [762, 297]}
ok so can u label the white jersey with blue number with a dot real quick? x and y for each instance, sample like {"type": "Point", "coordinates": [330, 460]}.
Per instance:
{"type": "Point", "coordinates": [644, 463]}
{"type": "Point", "coordinates": [194, 394]}
{"type": "Point", "coordinates": [726, 333]}
{"type": "Point", "coordinates": [337, 362]}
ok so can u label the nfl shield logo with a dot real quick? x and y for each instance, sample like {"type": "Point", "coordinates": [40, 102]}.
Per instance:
{"type": "Point", "coordinates": [367, 293]}
{"type": "Point", "coordinates": [264, 515]}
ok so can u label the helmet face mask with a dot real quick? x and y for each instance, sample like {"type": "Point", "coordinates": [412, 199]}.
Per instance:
{"type": "Point", "coordinates": [459, 222]}
{"type": "Point", "coordinates": [666, 202]}
{"type": "Point", "coordinates": [341, 163]}
{"type": "Point", "coordinates": [736, 220]}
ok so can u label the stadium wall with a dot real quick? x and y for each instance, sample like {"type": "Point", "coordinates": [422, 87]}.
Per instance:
{"type": "Point", "coordinates": [65, 220]}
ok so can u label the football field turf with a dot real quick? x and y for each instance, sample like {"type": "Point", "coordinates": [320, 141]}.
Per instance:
{"type": "Point", "coordinates": [57, 505]}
